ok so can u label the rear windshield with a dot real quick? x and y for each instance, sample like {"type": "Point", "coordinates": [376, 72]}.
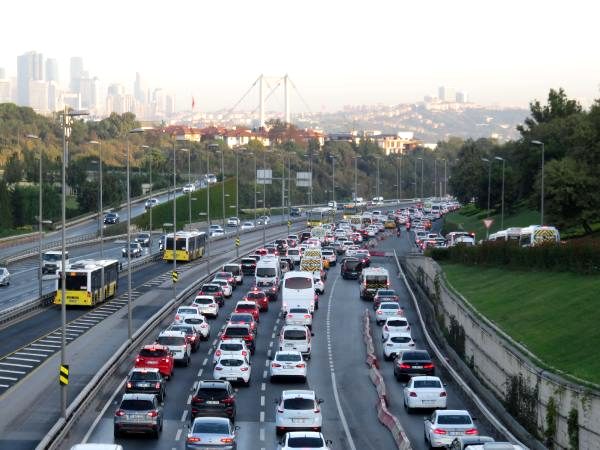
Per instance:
{"type": "Point", "coordinates": [144, 376]}
{"type": "Point", "coordinates": [231, 362]}
{"type": "Point", "coordinates": [187, 311]}
{"type": "Point", "coordinates": [256, 295]}
{"type": "Point", "coordinates": [305, 442]}
{"type": "Point", "coordinates": [415, 356]}
{"type": "Point", "coordinates": [249, 261]}
{"type": "Point", "coordinates": [211, 288]}
{"type": "Point", "coordinates": [204, 427]}
{"type": "Point", "coordinates": [386, 293]}
{"type": "Point", "coordinates": [241, 318]}
{"type": "Point", "coordinates": [298, 403]}
{"type": "Point", "coordinates": [234, 269]}
{"type": "Point", "coordinates": [212, 392]}
{"type": "Point", "coordinates": [352, 265]}
{"type": "Point", "coordinates": [293, 251]}
{"type": "Point", "coordinates": [400, 339]}
{"type": "Point", "coordinates": [137, 405]}
{"type": "Point", "coordinates": [376, 279]}
{"type": "Point", "coordinates": [397, 323]}
{"type": "Point", "coordinates": [194, 321]}
{"type": "Point", "coordinates": [427, 384]}
{"type": "Point", "coordinates": [204, 301]}
{"type": "Point", "coordinates": [294, 335]}
{"type": "Point", "coordinates": [246, 307]}
{"type": "Point", "coordinates": [155, 353]}
{"type": "Point", "coordinates": [299, 310]}
{"type": "Point", "coordinates": [171, 340]}
{"type": "Point", "coordinates": [389, 306]}
{"type": "Point", "coordinates": [298, 283]}
{"type": "Point", "coordinates": [454, 419]}
{"type": "Point", "coordinates": [288, 357]}
{"type": "Point", "coordinates": [231, 347]}
{"type": "Point", "coordinates": [235, 331]}
{"type": "Point", "coordinates": [265, 272]}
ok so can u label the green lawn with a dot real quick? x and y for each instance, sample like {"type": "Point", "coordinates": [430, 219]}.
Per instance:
{"type": "Point", "coordinates": [470, 219]}
{"type": "Point", "coordinates": [555, 315]}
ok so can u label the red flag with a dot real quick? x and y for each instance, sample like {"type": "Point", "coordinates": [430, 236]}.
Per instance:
{"type": "Point", "coordinates": [193, 102]}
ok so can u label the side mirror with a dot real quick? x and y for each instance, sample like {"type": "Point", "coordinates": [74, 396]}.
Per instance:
{"type": "Point", "coordinates": [237, 427]}
{"type": "Point", "coordinates": [312, 334]}
{"type": "Point", "coordinates": [328, 442]}
{"type": "Point", "coordinates": [319, 401]}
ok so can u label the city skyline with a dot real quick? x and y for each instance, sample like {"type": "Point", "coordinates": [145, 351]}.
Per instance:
{"type": "Point", "coordinates": [209, 55]}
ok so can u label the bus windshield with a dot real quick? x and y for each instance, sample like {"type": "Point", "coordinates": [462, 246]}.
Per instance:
{"type": "Point", "coordinates": [76, 282]}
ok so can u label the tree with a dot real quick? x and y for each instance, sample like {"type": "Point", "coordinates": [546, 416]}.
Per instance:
{"type": "Point", "coordinates": [76, 173]}
{"type": "Point", "coordinates": [13, 171]}
{"type": "Point", "coordinates": [5, 207]}
{"type": "Point", "coordinates": [469, 173]}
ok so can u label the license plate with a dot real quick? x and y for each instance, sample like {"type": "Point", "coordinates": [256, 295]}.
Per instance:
{"type": "Point", "coordinates": [231, 378]}
{"type": "Point", "coordinates": [417, 367]}
{"type": "Point", "coordinates": [152, 362]}
{"type": "Point", "coordinates": [428, 402]}
{"type": "Point", "coordinates": [212, 402]}
{"type": "Point", "coordinates": [455, 433]}
{"type": "Point", "coordinates": [144, 385]}
{"type": "Point", "coordinates": [289, 346]}
{"type": "Point", "coordinates": [298, 420]}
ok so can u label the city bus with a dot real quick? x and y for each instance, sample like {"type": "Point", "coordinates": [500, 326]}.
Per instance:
{"type": "Point", "coordinates": [351, 209]}
{"type": "Point", "coordinates": [88, 282]}
{"type": "Point", "coordinates": [318, 216]}
{"type": "Point", "coordinates": [189, 245]}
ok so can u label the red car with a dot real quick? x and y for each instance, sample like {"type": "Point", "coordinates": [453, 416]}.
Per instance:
{"type": "Point", "coordinates": [244, 318]}
{"type": "Point", "coordinates": [261, 251]}
{"type": "Point", "coordinates": [385, 295]}
{"type": "Point", "coordinates": [213, 290]}
{"type": "Point", "coordinates": [156, 356]}
{"type": "Point", "coordinates": [239, 331]}
{"type": "Point", "coordinates": [248, 307]}
{"type": "Point", "coordinates": [259, 297]}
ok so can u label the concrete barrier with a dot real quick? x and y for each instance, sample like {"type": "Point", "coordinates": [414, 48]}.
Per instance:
{"type": "Point", "coordinates": [392, 423]}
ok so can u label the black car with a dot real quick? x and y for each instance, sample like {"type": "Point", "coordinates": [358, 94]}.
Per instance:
{"type": "Point", "coordinates": [414, 362]}
{"type": "Point", "coordinates": [213, 398]}
{"type": "Point", "coordinates": [248, 266]}
{"type": "Point", "coordinates": [351, 268]}
{"type": "Point", "coordinates": [143, 239]}
{"type": "Point", "coordinates": [304, 236]}
{"type": "Point", "coordinates": [295, 212]}
{"type": "Point", "coordinates": [281, 246]}
{"type": "Point", "coordinates": [111, 218]}
{"type": "Point", "coordinates": [270, 288]}
{"type": "Point", "coordinates": [146, 380]}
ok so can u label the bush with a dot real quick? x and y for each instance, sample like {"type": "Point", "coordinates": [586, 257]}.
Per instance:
{"type": "Point", "coordinates": [573, 256]}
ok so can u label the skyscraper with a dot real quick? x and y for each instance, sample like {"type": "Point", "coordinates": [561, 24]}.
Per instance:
{"type": "Point", "coordinates": [30, 66]}
{"type": "Point", "coordinates": [76, 72]}
{"type": "Point", "coordinates": [442, 93]}
{"type": "Point", "coordinates": [138, 89]}
{"type": "Point", "coordinates": [51, 69]}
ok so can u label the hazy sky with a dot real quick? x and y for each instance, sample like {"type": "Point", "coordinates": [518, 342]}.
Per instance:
{"type": "Point", "coordinates": [336, 52]}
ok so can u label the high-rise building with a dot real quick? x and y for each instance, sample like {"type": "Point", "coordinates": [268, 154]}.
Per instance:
{"type": "Point", "coordinates": [170, 105]}
{"type": "Point", "coordinates": [30, 66]}
{"type": "Point", "coordinates": [138, 89]}
{"type": "Point", "coordinates": [76, 72]}
{"type": "Point", "coordinates": [72, 100]}
{"type": "Point", "coordinates": [5, 95]}
{"type": "Point", "coordinates": [51, 69]}
{"type": "Point", "coordinates": [38, 95]}
{"type": "Point", "coordinates": [55, 101]}
{"type": "Point", "coordinates": [442, 93]}
{"type": "Point", "coordinates": [462, 97]}
{"type": "Point", "coordinates": [450, 95]}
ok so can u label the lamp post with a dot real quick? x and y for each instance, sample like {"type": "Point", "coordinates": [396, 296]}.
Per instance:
{"type": "Point", "coordinates": [434, 177]}
{"type": "Point", "coordinates": [398, 179]}
{"type": "Point", "coordinates": [67, 117]}
{"type": "Point", "coordinates": [189, 152]}
{"type": "Point", "coordinates": [355, 158]}
{"type": "Point", "coordinates": [502, 214]}
{"type": "Point", "coordinates": [377, 178]}
{"type": "Point", "coordinates": [100, 206]}
{"type": "Point", "coordinates": [332, 157]}
{"type": "Point", "coordinates": [208, 246]}
{"type": "Point", "coordinates": [264, 189]}
{"type": "Point", "coordinates": [222, 152]}
{"type": "Point", "coordinates": [542, 181]}
{"type": "Point", "coordinates": [421, 159]}
{"type": "Point", "coordinates": [415, 177]}
{"type": "Point", "coordinates": [445, 178]}
{"type": "Point", "coordinates": [147, 147]}
{"type": "Point", "coordinates": [310, 188]}
{"type": "Point", "coordinates": [40, 217]}
{"type": "Point", "coordinates": [487, 231]}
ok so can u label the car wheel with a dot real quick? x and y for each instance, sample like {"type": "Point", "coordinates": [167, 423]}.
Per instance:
{"type": "Point", "coordinates": [116, 433]}
{"type": "Point", "coordinates": [317, 305]}
{"type": "Point", "coordinates": [247, 383]}
{"type": "Point", "coordinates": [187, 361]}
{"type": "Point", "coordinates": [386, 357]}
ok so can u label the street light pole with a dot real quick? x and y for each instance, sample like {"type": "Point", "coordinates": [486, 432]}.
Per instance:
{"type": "Point", "coordinates": [223, 184]}
{"type": "Point", "coordinates": [445, 178]}
{"type": "Point", "coordinates": [40, 218]}
{"type": "Point", "coordinates": [189, 152]}
{"type": "Point", "coordinates": [502, 214]}
{"type": "Point", "coordinates": [100, 207]}
{"type": "Point", "coordinates": [434, 177]}
{"type": "Point", "coordinates": [542, 180]}
{"type": "Point", "coordinates": [174, 219]}
{"type": "Point", "coordinates": [264, 188]}
{"type": "Point", "coordinates": [487, 232]}
{"type": "Point", "coordinates": [398, 183]}
{"type": "Point", "coordinates": [332, 177]}
{"type": "Point", "coordinates": [355, 158]}
{"type": "Point", "coordinates": [377, 187]}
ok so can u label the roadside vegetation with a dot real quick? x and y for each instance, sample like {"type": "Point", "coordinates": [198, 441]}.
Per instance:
{"type": "Point", "coordinates": [554, 315]}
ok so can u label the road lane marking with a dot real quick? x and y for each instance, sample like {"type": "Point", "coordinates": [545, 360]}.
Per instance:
{"type": "Point", "coordinates": [262, 416]}
{"type": "Point", "coordinates": [184, 415]}
{"type": "Point", "coordinates": [263, 386]}
{"type": "Point", "coordinates": [189, 400]}
{"type": "Point", "coordinates": [16, 365]}
{"type": "Point", "coordinates": [205, 361]}
{"type": "Point", "coordinates": [200, 372]}
{"type": "Point", "coordinates": [23, 359]}
{"type": "Point", "coordinates": [262, 434]}
{"type": "Point", "coordinates": [18, 372]}
{"type": "Point", "coordinates": [178, 435]}
{"type": "Point", "coordinates": [262, 400]}
{"type": "Point", "coordinates": [9, 378]}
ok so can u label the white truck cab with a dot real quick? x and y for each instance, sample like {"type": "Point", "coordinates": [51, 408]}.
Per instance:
{"type": "Point", "coordinates": [52, 261]}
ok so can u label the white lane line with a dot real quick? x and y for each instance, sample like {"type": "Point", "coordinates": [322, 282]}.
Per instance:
{"type": "Point", "coordinates": [266, 363]}
{"type": "Point", "coordinates": [44, 345]}
{"type": "Point", "coordinates": [23, 359]}
{"type": "Point", "coordinates": [262, 416]}
{"type": "Point", "coordinates": [184, 415]}
{"type": "Point", "coordinates": [205, 361]}
{"type": "Point", "coordinates": [333, 381]}
{"type": "Point", "coordinates": [262, 435]}
{"type": "Point", "coordinates": [178, 435]}
{"type": "Point", "coordinates": [269, 353]}
{"type": "Point", "coordinates": [262, 400]}
{"type": "Point", "coordinates": [263, 386]}
{"type": "Point", "coordinates": [9, 378]}
{"type": "Point", "coordinates": [45, 350]}
{"type": "Point", "coordinates": [31, 354]}
{"type": "Point", "coordinates": [189, 400]}
{"type": "Point", "coordinates": [4, 385]}
{"type": "Point", "coordinates": [273, 335]}
{"type": "Point", "coordinates": [264, 374]}
{"type": "Point", "coordinates": [18, 372]}
{"type": "Point", "coordinates": [16, 365]}
{"type": "Point", "coordinates": [78, 326]}
{"type": "Point", "coordinates": [271, 344]}
{"type": "Point", "coordinates": [195, 386]}
{"type": "Point", "coordinates": [200, 372]}
{"type": "Point", "coordinates": [103, 411]}
{"type": "Point", "coordinates": [215, 342]}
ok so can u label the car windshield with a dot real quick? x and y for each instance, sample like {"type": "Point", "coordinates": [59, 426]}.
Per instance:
{"type": "Point", "coordinates": [52, 257]}
{"type": "Point", "coordinates": [299, 310]}
{"type": "Point", "coordinates": [205, 427]}
{"type": "Point", "coordinates": [298, 403]}
{"type": "Point", "coordinates": [255, 295]}
{"type": "Point", "coordinates": [265, 271]}
{"type": "Point", "coordinates": [153, 352]}
{"type": "Point", "coordinates": [231, 347]}
{"type": "Point", "coordinates": [415, 356]}
{"type": "Point", "coordinates": [231, 362]}
{"type": "Point", "coordinates": [171, 340]}
{"type": "Point", "coordinates": [236, 331]}
{"type": "Point", "coordinates": [204, 301]}
{"type": "Point", "coordinates": [294, 335]}
{"type": "Point", "coordinates": [208, 288]}
{"type": "Point", "coordinates": [298, 283]}
{"type": "Point", "coordinates": [305, 442]}
{"type": "Point", "coordinates": [187, 311]}
{"type": "Point", "coordinates": [454, 419]}
{"type": "Point", "coordinates": [288, 357]}
{"type": "Point", "coordinates": [137, 405]}
{"type": "Point", "coordinates": [144, 376]}
{"type": "Point", "coordinates": [400, 339]}
{"type": "Point", "coordinates": [397, 323]}
{"type": "Point", "coordinates": [427, 384]}
{"type": "Point", "coordinates": [386, 293]}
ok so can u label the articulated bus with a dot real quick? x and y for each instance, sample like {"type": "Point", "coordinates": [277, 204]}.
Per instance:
{"type": "Point", "coordinates": [88, 282]}
{"type": "Point", "coordinates": [318, 216]}
{"type": "Point", "coordinates": [189, 245]}
{"type": "Point", "coordinates": [352, 209]}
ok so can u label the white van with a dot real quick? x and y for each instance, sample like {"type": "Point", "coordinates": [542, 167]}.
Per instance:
{"type": "Point", "coordinates": [97, 447]}
{"type": "Point", "coordinates": [537, 235]}
{"type": "Point", "coordinates": [267, 271]}
{"type": "Point", "coordinates": [295, 337]}
{"type": "Point", "coordinates": [298, 291]}
{"type": "Point", "coordinates": [52, 261]}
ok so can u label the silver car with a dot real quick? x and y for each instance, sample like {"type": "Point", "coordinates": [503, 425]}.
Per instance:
{"type": "Point", "coordinates": [443, 426]}
{"type": "Point", "coordinates": [138, 413]}
{"type": "Point", "coordinates": [212, 433]}
{"type": "Point", "coordinates": [4, 276]}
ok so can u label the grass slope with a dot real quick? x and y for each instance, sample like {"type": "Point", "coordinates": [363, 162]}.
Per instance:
{"type": "Point", "coordinates": [554, 315]}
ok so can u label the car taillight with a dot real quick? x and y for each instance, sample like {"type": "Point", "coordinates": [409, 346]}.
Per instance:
{"type": "Point", "coordinates": [290, 316]}
{"type": "Point", "coordinates": [138, 360]}
{"type": "Point", "coordinates": [275, 365]}
{"type": "Point", "coordinates": [157, 385]}
{"type": "Point", "coordinates": [443, 394]}
{"type": "Point", "coordinates": [196, 399]}
{"type": "Point", "coordinates": [204, 325]}
{"type": "Point", "coordinates": [227, 440]}
{"type": "Point", "coordinates": [244, 369]}
{"type": "Point", "coordinates": [301, 366]}
{"type": "Point", "coordinates": [404, 366]}
{"type": "Point", "coordinates": [317, 410]}
{"type": "Point", "coordinates": [247, 338]}
{"type": "Point", "coordinates": [167, 359]}
{"type": "Point", "coordinates": [218, 353]}
{"type": "Point", "coordinates": [120, 413]}
{"type": "Point", "coordinates": [129, 385]}
{"type": "Point", "coordinates": [193, 439]}
{"type": "Point", "coordinates": [439, 431]}
{"type": "Point", "coordinates": [379, 311]}
{"type": "Point", "coordinates": [428, 366]}
{"type": "Point", "coordinates": [177, 318]}
{"type": "Point", "coordinates": [412, 394]}
{"type": "Point", "coordinates": [228, 401]}
{"type": "Point", "coordinates": [193, 338]}
{"type": "Point", "coordinates": [307, 316]}
{"type": "Point", "coordinates": [471, 431]}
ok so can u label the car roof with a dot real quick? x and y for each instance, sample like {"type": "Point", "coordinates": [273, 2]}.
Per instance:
{"type": "Point", "coordinates": [288, 352]}
{"type": "Point", "coordinates": [232, 341]}
{"type": "Point", "coordinates": [211, 419]}
{"type": "Point", "coordinates": [297, 434]}
{"type": "Point", "coordinates": [169, 333]}
{"type": "Point", "coordinates": [388, 303]}
{"type": "Point", "coordinates": [294, 393]}
{"type": "Point", "coordinates": [138, 397]}
{"type": "Point", "coordinates": [213, 383]}
{"type": "Point", "coordinates": [425, 378]}
{"type": "Point", "coordinates": [144, 370]}
{"type": "Point", "coordinates": [452, 412]}
{"type": "Point", "coordinates": [155, 347]}
{"type": "Point", "coordinates": [294, 327]}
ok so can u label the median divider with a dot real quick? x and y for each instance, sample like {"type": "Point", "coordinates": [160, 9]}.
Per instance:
{"type": "Point", "coordinates": [390, 421]}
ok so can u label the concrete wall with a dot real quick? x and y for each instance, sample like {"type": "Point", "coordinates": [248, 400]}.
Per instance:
{"type": "Point", "coordinates": [497, 357]}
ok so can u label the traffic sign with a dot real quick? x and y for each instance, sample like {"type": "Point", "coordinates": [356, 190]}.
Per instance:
{"type": "Point", "coordinates": [63, 374]}
{"type": "Point", "coordinates": [237, 242]}
{"type": "Point", "coordinates": [289, 223]}
{"type": "Point", "coordinates": [175, 276]}
{"type": "Point", "coordinates": [488, 223]}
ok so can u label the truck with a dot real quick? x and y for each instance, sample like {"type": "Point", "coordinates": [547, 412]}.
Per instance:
{"type": "Point", "coordinates": [52, 261]}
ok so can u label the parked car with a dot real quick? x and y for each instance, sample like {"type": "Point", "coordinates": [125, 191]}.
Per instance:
{"type": "Point", "coordinates": [138, 413]}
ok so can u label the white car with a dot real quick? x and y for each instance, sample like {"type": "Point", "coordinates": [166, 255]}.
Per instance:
{"type": "Point", "coordinates": [4, 276]}
{"type": "Point", "coordinates": [233, 368]}
{"type": "Point", "coordinates": [216, 230]}
{"type": "Point", "coordinates": [191, 315]}
{"type": "Point", "coordinates": [295, 337]}
{"type": "Point", "coordinates": [263, 220]}
{"type": "Point", "coordinates": [189, 188]}
{"type": "Point", "coordinates": [207, 305]}
{"type": "Point", "coordinates": [247, 226]}
{"type": "Point", "coordinates": [233, 222]}
{"type": "Point", "coordinates": [178, 345]}
{"type": "Point", "coordinates": [151, 203]}
{"type": "Point", "coordinates": [309, 440]}
{"type": "Point", "coordinates": [295, 254]}
{"type": "Point", "coordinates": [231, 347]}
{"type": "Point", "coordinates": [395, 324]}
{"type": "Point", "coordinates": [298, 410]}
{"type": "Point", "coordinates": [299, 316]}
{"type": "Point", "coordinates": [443, 426]}
{"type": "Point", "coordinates": [330, 256]}
{"type": "Point", "coordinates": [351, 249]}
{"type": "Point", "coordinates": [425, 392]}
{"type": "Point", "coordinates": [227, 288]}
{"type": "Point", "coordinates": [396, 343]}
{"type": "Point", "coordinates": [288, 364]}
{"type": "Point", "coordinates": [387, 309]}
{"type": "Point", "coordinates": [319, 284]}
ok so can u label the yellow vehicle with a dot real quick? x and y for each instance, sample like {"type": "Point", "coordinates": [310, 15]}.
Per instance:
{"type": "Point", "coordinates": [318, 216]}
{"type": "Point", "coordinates": [390, 224]}
{"type": "Point", "coordinates": [88, 282]}
{"type": "Point", "coordinates": [189, 245]}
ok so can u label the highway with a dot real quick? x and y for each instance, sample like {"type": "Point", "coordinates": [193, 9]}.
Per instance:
{"type": "Point", "coordinates": [338, 357]}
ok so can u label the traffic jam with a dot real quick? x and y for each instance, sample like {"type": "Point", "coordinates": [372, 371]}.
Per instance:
{"type": "Point", "coordinates": [287, 276]}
